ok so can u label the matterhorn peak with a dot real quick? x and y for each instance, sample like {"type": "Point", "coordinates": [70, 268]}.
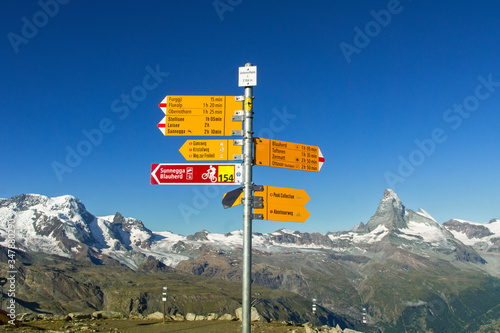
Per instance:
{"type": "Point", "coordinates": [391, 201]}
{"type": "Point", "coordinates": [390, 213]}
{"type": "Point", "coordinates": [389, 193]}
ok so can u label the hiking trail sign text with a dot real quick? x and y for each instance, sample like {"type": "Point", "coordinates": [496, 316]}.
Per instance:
{"type": "Point", "coordinates": [287, 155]}
{"type": "Point", "coordinates": [200, 115]}
{"type": "Point", "coordinates": [282, 204]}
{"type": "Point", "coordinates": [212, 150]}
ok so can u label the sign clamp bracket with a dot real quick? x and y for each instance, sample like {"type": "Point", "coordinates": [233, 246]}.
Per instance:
{"type": "Point", "coordinates": [237, 133]}
{"type": "Point", "coordinates": [258, 202]}
{"type": "Point", "coordinates": [238, 157]}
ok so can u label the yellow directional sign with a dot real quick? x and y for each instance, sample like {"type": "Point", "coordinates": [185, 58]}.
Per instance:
{"type": "Point", "coordinates": [282, 204]}
{"type": "Point", "coordinates": [287, 155]}
{"type": "Point", "coordinates": [199, 115]}
{"type": "Point", "coordinates": [285, 196]}
{"type": "Point", "coordinates": [210, 150]}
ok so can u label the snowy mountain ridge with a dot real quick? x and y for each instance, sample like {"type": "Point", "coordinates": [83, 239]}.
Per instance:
{"type": "Point", "coordinates": [482, 236]}
{"type": "Point", "coordinates": [62, 226]}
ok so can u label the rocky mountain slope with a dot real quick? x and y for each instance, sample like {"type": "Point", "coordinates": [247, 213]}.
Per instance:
{"type": "Point", "coordinates": [404, 268]}
{"type": "Point", "coordinates": [55, 285]}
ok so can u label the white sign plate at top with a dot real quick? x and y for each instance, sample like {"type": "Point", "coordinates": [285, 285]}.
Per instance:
{"type": "Point", "coordinates": [247, 76]}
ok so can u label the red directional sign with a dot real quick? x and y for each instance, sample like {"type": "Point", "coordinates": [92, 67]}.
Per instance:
{"type": "Point", "coordinates": [196, 174]}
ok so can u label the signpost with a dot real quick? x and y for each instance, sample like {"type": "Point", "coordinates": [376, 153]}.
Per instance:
{"type": "Point", "coordinates": [281, 204]}
{"type": "Point", "coordinates": [164, 300]}
{"type": "Point", "coordinates": [196, 174]}
{"type": "Point", "coordinates": [247, 196]}
{"type": "Point", "coordinates": [201, 115]}
{"type": "Point", "coordinates": [223, 116]}
{"type": "Point", "coordinates": [288, 155]}
{"type": "Point", "coordinates": [212, 150]}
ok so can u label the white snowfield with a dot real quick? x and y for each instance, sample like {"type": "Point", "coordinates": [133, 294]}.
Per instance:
{"type": "Point", "coordinates": [484, 242]}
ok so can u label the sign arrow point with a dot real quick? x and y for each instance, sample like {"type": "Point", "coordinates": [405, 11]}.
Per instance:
{"type": "Point", "coordinates": [163, 105]}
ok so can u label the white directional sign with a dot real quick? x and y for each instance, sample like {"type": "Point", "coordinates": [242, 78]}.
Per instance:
{"type": "Point", "coordinates": [247, 76]}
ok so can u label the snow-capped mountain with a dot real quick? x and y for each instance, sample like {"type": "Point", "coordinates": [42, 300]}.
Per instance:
{"type": "Point", "coordinates": [401, 264]}
{"type": "Point", "coordinates": [395, 225]}
{"type": "Point", "coordinates": [63, 226]}
{"type": "Point", "coordinates": [483, 237]}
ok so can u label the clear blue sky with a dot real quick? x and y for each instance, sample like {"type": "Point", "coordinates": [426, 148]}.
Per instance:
{"type": "Point", "coordinates": [396, 94]}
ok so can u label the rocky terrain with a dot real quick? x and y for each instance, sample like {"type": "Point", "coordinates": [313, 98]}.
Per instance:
{"type": "Point", "coordinates": [400, 271]}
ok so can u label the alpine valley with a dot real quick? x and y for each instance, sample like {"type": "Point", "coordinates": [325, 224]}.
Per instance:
{"type": "Point", "coordinates": [400, 272]}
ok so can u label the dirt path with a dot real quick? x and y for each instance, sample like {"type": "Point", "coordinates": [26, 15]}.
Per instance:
{"type": "Point", "coordinates": [148, 326]}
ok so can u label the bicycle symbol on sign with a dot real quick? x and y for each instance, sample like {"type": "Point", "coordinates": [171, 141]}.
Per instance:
{"type": "Point", "coordinates": [210, 174]}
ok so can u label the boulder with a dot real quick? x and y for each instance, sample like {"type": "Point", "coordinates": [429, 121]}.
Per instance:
{"type": "Point", "coordinates": [200, 317]}
{"type": "Point", "coordinates": [178, 317]}
{"type": "Point", "coordinates": [155, 316]}
{"type": "Point", "coordinates": [227, 317]}
{"type": "Point", "coordinates": [212, 316]}
{"type": "Point", "coordinates": [79, 316]}
{"type": "Point", "coordinates": [190, 317]}
{"type": "Point", "coordinates": [254, 315]}
{"type": "Point", "coordinates": [336, 329]}
{"type": "Point", "coordinates": [58, 317]}
{"type": "Point", "coordinates": [107, 315]}
{"type": "Point", "coordinates": [309, 329]}
{"type": "Point", "coordinates": [135, 315]}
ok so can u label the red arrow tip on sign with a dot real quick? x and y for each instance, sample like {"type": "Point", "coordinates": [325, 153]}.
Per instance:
{"type": "Point", "coordinates": [163, 105]}
{"type": "Point", "coordinates": [161, 125]}
{"type": "Point", "coordinates": [321, 159]}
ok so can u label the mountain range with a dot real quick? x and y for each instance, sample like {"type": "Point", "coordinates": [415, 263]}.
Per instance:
{"type": "Point", "coordinates": [404, 268]}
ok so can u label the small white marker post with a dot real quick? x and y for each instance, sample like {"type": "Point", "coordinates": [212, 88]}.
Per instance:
{"type": "Point", "coordinates": [164, 300]}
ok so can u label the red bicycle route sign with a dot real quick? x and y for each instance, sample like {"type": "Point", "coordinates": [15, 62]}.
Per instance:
{"type": "Point", "coordinates": [196, 174]}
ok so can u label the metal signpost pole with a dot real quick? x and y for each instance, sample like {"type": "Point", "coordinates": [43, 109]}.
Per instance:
{"type": "Point", "coordinates": [247, 209]}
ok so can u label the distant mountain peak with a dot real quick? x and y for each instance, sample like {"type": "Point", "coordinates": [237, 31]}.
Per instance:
{"type": "Point", "coordinates": [390, 194]}
{"type": "Point", "coordinates": [390, 213]}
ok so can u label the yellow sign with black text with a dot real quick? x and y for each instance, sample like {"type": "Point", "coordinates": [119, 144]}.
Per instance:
{"type": "Point", "coordinates": [199, 115]}
{"type": "Point", "coordinates": [287, 155]}
{"type": "Point", "coordinates": [283, 204]}
{"type": "Point", "coordinates": [210, 150]}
